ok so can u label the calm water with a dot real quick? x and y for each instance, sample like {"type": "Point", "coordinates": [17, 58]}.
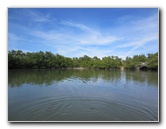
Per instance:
{"type": "Point", "coordinates": [82, 95]}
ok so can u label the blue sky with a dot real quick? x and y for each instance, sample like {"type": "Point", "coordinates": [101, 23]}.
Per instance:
{"type": "Point", "coordinates": [74, 32]}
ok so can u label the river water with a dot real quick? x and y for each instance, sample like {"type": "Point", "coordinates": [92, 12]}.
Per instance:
{"type": "Point", "coordinates": [82, 95]}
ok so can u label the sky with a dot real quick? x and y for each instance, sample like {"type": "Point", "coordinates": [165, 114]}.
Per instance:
{"type": "Point", "coordinates": [75, 32]}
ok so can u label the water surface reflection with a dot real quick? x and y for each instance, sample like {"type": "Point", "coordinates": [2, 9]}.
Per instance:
{"type": "Point", "coordinates": [82, 95]}
{"type": "Point", "coordinates": [47, 77]}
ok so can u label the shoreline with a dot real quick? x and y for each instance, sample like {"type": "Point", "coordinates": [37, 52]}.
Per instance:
{"type": "Point", "coordinates": [83, 68]}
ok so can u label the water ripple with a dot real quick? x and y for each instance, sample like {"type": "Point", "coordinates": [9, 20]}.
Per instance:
{"type": "Point", "coordinates": [84, 109]}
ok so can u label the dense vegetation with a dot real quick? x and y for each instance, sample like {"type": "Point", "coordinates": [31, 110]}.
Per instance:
{"type": "Point", "coordinates": [48, 60]}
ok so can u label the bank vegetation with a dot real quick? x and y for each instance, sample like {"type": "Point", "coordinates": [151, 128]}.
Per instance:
{"type": "Point", "coordinates": [47, 60]}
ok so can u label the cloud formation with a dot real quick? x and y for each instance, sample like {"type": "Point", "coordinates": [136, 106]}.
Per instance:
{"type": "Point", "coordinates": [49, 31]}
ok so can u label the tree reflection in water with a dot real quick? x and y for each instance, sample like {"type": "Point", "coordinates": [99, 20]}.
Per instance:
{"type": "Point", "coordinates": [47, 77]}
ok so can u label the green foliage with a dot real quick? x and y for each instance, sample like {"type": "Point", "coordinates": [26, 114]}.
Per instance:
{"type": "Point", "coordinates": [152, 61]}
{"type": "Point", "coordinates": [130, 63]}
{"type": "Point", "coordinates": [48, 60]}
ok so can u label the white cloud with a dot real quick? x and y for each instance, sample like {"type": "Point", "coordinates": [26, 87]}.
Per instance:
{"type": "Point", "coordinates": [70, 45]}
{"type": "Point", "coordinates": [90, 41]}
{"type": "Point", "coordinates": [13, 37]}
{"type": "Point", "coordinates": [137, 35]}
{"type": "Point", "coordinates": [98, 40]}
{"type": "Point", "coordinates": [30, 15]}
{"type": "Point", "coordinates": [51, 35]}
{"type": "Point", "coordinates": [91, 36]}
{"type": "Point", "coordinates": [142, 43]}
{"type": "Point", "coordinates": [79, 26]}
{"type": "Point", "coordinates": [139, 42]}
{"type": "Point", "coordinates": [36, 16]}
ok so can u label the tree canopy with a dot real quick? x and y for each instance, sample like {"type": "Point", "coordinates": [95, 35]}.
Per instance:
{"type": "Point", "coordinates": [48, 60]}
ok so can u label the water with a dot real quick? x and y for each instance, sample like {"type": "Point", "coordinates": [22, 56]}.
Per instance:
{"type": "Point", "coordinates": [82, 95]}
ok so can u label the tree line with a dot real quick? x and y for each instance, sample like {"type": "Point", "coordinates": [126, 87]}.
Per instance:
{"type": "Point", "coordinates": [47, 60]}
